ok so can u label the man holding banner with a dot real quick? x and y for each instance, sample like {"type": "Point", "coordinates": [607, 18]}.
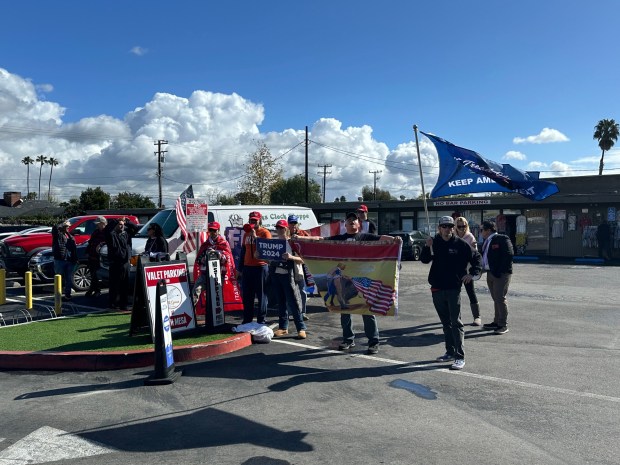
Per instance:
{"type": "Point", "coordinates": [352, 224]}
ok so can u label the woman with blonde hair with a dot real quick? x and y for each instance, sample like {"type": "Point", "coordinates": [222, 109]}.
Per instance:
{"type": "Point", "coordinates": [462, 231]}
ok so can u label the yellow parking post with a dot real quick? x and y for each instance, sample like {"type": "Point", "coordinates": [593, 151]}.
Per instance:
{"type": "Point", "coordinates": [28, 285]}
{"type": "Point", "coordinates": [58, 294]}
{"type": "Point", "coordinates": [2, 286]}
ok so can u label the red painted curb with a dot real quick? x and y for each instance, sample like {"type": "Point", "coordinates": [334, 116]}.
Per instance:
{"type": "Point", "coordinates": [101, 361]}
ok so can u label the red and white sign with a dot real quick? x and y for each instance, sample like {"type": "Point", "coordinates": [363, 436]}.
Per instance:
{"type": "Point", "coordinates": [180, 306]}
{"type": "Point", "coordinates": [196, 214]}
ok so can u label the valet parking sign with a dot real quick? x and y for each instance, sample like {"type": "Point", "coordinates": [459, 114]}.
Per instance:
{"type": "Point", "coordinates": [179, 303]}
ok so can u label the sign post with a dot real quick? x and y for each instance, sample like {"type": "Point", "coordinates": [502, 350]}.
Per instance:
{"type": "Point", "coordinates": [214, 316]}
{"type": "Point", "coordinates": [164, 353]}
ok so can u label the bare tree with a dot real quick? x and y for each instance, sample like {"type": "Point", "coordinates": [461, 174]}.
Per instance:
{"type": "Point", "coordinates": [262, 173]}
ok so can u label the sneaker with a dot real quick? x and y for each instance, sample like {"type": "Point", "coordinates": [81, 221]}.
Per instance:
{"type": "Point", "coordinates": [97, 293]}
{"type": "Point", "coordinates": [373, 349]}
{"type": "Point", "coordinates": [458, 364]}
{"type": "Point", "coordinates": [490, 326]}
{"type": "Point", "coordinates": [501, 330]}
{"type": "Point", "coordinates": [301, 334]}
{"type": "Point", "coordinates": [445, 358]}
{"type": "Point", "coordinates": [67, 297]}
{"type": "Point", "coordinates": [346, 345]}
{"type": "Point", "coordinates": [305, 317]}
{"type": "Point", "coordinates": [88, 293]}
{"type": "Point", "coordinates": [280, 332]}
{"type": "Point", "coordinates": [477, 322]}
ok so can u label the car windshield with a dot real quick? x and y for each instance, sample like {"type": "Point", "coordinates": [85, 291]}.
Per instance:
{"type": "Point", "coordinates": [167, 219]}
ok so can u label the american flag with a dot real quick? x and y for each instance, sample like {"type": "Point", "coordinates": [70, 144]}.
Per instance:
{"type": "Point", "coordinates": [190, 237]}
{"type": "Point", "coordinates": [378, 296]}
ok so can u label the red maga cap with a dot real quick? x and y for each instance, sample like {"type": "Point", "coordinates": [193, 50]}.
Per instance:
{"type": "Point", "coordinates": [255, 216]}
{"type": "Point", "coordinates": [282, 224]}
{"type": "Point", "coordinates": [214, 225]}
{"type": "Point", "coordinates": [362, 208]}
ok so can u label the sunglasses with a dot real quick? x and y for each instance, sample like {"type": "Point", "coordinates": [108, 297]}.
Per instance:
{"type": "Point", "coordinates": [212, 230]}
{"type": "Point", "coordinates": [461, 226]}
{"type": "Point", "coordinates": [446, 226]}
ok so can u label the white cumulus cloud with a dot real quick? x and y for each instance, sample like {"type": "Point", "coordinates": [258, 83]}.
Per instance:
{"type": "Point", "coordinates": [514, 155]}
{"type": "Point", "coordinates": [546, 136]}
{"type": "Point", "coordinates": [138, 51]}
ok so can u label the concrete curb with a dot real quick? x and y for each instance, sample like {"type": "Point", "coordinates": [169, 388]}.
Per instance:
{"type": "Point", "coordinates": [101, 361]}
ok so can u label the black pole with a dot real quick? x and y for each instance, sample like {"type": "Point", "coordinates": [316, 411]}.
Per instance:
{"type": "Point", "coordinates": [306, 164]}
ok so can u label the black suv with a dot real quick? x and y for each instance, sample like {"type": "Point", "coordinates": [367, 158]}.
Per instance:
{"type": "Point", "coordinates": [413, 241]}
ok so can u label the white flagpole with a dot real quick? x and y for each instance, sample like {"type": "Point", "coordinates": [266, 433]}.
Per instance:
{"type": "Point", "coordinates": [417, 145]}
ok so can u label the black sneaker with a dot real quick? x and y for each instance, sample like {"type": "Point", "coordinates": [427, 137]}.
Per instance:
{"type": "Point", "coordinates": [501, 330]}
{"type": "Point", "coordinates": [346, 345]}
{"type": "Point", "coordinates": [373, 349]}
{"type": "Point", "coordinates": [490, 326]}
{"type": "Point", "coordinates": [67, 297]}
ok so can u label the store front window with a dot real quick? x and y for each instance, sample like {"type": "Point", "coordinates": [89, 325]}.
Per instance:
{"type": "Point", "coordinates": [537, 231]}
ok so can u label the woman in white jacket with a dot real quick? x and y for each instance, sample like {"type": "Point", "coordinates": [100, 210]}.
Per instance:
{"type": "Point", "coordinates": [462, 230]}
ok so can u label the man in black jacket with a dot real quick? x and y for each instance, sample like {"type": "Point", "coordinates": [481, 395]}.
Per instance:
{"type": "Point", "coordinates": [65, 256]}
{"type": "Point", "coordinates": [450, 256]}
{"type": "Point", "coordinates": [497, 253]}
{"type": "Point", "coordinates": [118, 234]}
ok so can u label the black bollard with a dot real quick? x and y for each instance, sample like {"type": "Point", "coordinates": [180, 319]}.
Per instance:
{"type": "Point", "coordinates": [164, 353]}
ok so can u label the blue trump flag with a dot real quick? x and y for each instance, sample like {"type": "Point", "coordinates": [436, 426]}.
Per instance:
{"type": "Point", "coordinates": [463, 171]}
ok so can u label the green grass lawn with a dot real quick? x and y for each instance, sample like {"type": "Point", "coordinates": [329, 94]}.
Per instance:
{"type": "Point", "coordinates": [93, 332]}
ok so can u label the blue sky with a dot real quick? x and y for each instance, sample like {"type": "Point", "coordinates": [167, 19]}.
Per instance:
{"type": "Point", "coordinates": [484, 75]}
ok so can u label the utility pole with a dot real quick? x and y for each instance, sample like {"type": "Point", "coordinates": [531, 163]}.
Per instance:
{"type": "Point", "coordinates": [160, 159]}
{"type": "Point", "coordinates": [374, 190]}
{"type": "Point", "coordinates": [325, 173]}
{"type": "Point", "coordinates": [307, 143]}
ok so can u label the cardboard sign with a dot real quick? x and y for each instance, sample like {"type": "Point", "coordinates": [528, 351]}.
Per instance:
{"type": "Point", "coordinates": [196, 215]}
{"type": "Point", "coordinates": [178, 296]}
{"type": "Point", "coordinates": [270, 249]}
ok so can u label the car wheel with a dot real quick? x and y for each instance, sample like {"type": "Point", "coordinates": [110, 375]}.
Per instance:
{"type": "Point", "coordinates": [416, 254]}
{"type": "Point", "coordinates": [81, 278]}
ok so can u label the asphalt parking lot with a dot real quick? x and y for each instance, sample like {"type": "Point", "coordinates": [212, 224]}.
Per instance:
{"type": "Point", "coordinates": [547, 392]}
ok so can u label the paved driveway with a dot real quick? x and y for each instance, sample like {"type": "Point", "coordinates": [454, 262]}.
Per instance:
{"type": "Point", "coordinates": [547, 392]}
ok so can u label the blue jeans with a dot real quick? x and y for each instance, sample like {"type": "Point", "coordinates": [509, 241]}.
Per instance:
{"type": "Point", "coordinates": [302, 293]}
{"type": "Point", "coordinates": [448, 305]}
{"type": "Point", "coordinates": [253, 285]}
{"type": "Point", "coordinates": [370, 328]}
{"type": "Point", "coordinates": [65, 270]}
{"type": "Point", "coordinates": [288, 300]}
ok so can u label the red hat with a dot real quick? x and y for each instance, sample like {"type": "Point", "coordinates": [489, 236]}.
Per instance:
{"type": "Point", "coordinates": [214, 225]}
{"type": "Point", "coordinates": [282, 224]}
{"type": "Point", "coordinates": [362, 208]}
{"type": "Point", "coordinates": [255, 216]}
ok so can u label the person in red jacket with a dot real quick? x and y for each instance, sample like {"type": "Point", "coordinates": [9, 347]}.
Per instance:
{"type": "Point", "coordinates": [215, 242]}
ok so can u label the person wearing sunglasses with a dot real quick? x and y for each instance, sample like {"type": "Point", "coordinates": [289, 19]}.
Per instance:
{"type": "Point", "coordinates": [450, 256]}
{"type": "Point", "coordinates": [462, 231]}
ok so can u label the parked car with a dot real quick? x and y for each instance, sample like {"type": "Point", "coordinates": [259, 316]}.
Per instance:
{"type": "Point", "coordinates": [42, 267]}
{"type": "Point", "coordinates": [413, 241]}
{"type": "Point", "coordinates": [24, 232]}
{"type": "Point", "coordinates": [18, 250]}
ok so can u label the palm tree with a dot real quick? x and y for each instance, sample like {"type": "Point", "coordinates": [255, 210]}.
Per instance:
{"type": "Point", "coordinates": [28, 161]}
{"type": "Point", "coordinates": [41, 159]}
{"type": "Point", "coordinates": [606, 132]}
{"type": "Point", "coordinates": [52, 162]}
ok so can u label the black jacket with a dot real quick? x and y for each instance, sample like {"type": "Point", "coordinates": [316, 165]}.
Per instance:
{"type": "Point", "coordinates": [500, 255]}
{"type": "Point", "coordinates": [119, 243]}
{"type": "Point", "coordinates": [450, 259]}
{"type": "Point", "coordinates": [63, 247]}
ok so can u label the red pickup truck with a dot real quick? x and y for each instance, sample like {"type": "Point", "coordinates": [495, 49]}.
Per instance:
{"type": "Point", "coordinates": [17, 250]}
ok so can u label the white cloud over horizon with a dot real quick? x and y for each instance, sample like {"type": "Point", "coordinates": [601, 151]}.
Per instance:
{"type": "Point", "coordinates": [546, 136]}
{"type": "Point", "coordinates": [210, 136]}
{"type": "Point", "coordinates": [138, 51]}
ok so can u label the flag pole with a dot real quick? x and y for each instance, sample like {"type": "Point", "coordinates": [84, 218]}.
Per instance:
{"type": "Point", "coordinates": [417, 146]}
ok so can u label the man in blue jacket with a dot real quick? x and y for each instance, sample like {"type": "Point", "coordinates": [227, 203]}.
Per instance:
{"type": "Point", "coordinates": [450, 256]}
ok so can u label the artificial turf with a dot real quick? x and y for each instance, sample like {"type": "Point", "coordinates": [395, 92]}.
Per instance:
{"type": "Point", "coordinates": [91, 332]}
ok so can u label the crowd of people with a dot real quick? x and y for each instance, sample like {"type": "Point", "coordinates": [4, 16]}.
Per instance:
{"type": "Point", "coordinates": [453, 255]}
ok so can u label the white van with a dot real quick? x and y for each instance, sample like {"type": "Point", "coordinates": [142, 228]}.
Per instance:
{"type": "Point", "coordinates": [226, 215]}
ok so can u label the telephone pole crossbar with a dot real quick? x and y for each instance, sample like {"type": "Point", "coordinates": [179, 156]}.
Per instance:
{"type": "Point", "coordinates": [160, 159]}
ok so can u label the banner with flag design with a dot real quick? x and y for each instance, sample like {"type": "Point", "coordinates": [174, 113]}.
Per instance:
{"type": "Point", "coordinates": [354, 277]}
